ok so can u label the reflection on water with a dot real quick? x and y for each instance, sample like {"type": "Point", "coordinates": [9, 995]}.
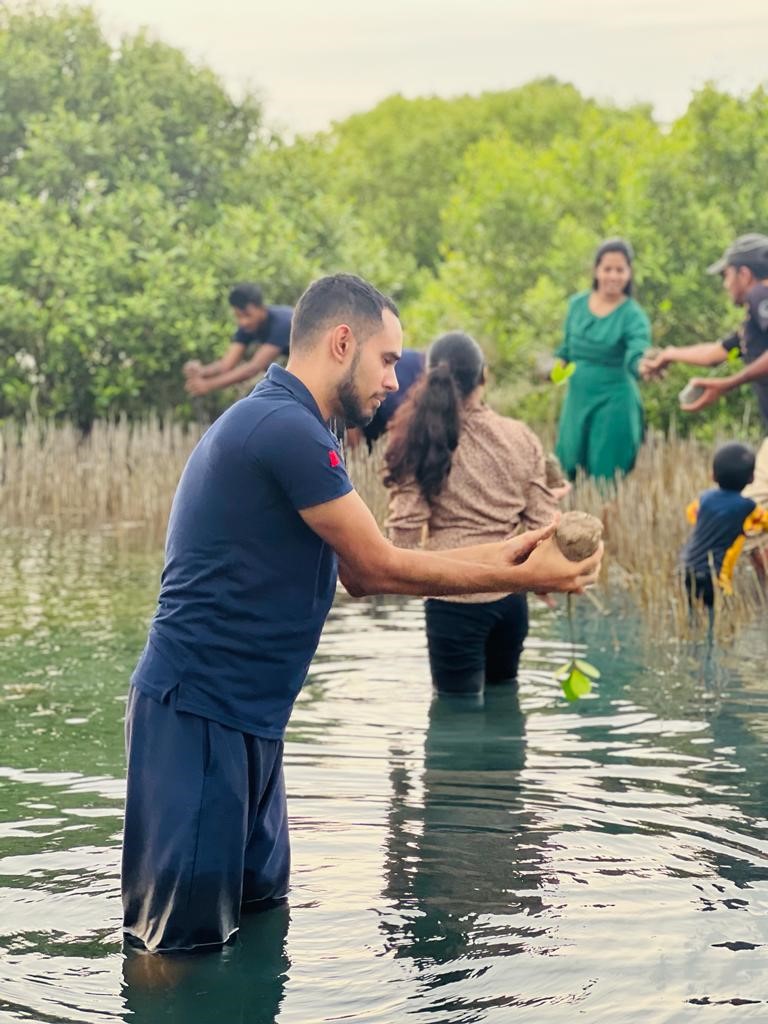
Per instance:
{"type": "Point", "coordinates": [459, 861]}
{"type": "Point", "coordinates": [466, 857]}
{"type": "Point", "coordinates": [245, 983]}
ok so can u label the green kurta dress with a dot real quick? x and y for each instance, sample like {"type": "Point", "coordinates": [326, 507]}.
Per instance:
{"type": "Point", "coordinates": [601, 425]}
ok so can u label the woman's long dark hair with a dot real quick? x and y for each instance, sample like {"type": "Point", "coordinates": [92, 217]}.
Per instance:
{"type": "Point", "coordinates": [425, 430]}
{"type": "Point", "coordinates": [613, 245]}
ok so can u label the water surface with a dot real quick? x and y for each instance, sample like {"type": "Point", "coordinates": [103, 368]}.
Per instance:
{"type": "Point", "coordinates": [525, 859]}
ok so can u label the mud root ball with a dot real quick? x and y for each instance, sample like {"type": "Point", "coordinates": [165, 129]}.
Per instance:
{"type": "Point", "coordinates": [578, 535]}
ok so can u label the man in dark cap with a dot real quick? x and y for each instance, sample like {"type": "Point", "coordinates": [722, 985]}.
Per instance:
{"type": "Point", "coordinates": [744, 269]}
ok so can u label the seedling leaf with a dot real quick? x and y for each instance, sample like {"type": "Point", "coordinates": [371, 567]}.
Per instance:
{"type": "Point", "coordinates": [580, 684]}
{"type": "Point", "coordinates": [561, 372]}
{"type": "Point", "coordinates": [587, 669]}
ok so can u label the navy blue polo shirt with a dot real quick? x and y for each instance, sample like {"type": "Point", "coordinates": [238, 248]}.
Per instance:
{"type": "Point", "coordinates": [247, 585]}
{"type": "Point", "coordinates": [275, 330]}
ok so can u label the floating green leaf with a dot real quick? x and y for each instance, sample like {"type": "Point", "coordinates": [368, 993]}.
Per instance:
{"type": "Point", "coordinates": [586, 668]}
{"type": "Point", "coordinates": [734, 355]}
{"type": "Point", "coordinates": [561, 372]}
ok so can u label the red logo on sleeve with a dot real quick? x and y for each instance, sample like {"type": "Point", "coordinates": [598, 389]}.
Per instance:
{"type": "Point", "coordinates": [333, 458]}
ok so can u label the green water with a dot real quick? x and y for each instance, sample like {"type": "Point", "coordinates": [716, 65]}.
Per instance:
{"type": "Point", "coordinates": [523, 860]}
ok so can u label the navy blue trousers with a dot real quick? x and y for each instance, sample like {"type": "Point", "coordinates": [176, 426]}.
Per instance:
{"type": "Point", "coordinates": [474, 645]}
{"type": "Point", "coordinates": [206, 827]}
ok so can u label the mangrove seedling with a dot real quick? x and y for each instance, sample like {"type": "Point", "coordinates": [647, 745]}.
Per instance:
{"type": "Point", "coordinates": [578, 535]}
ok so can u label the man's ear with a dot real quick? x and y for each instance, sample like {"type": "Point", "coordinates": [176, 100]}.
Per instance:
{"type": "Point", "coordinates": [746, 277]}
{"type": "Point", "coordinates": [341, 343]}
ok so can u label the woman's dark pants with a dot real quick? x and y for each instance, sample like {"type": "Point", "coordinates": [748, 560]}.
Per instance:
{"type": "Point", "coordinates": [472, 646]}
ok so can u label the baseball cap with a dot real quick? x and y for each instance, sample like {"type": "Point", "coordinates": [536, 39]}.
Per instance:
{"type": "Point", "coordinates": [747, 251]}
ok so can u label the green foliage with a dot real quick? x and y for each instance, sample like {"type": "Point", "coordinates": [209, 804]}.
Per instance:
{"type": "Point", "coordinates": [397, 163]}
{"type": "Point", "coordinates": [521, 224]}
{"type": "Point", "coordinates": [134, 190]}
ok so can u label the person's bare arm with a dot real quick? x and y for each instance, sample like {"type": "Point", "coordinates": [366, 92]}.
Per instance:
{"type": "Point", "coordinates": [714, 387]}
{"type": "Point", "coordinates": [754, 371]}
{"type": "Point", "coordinates": [708, 353]}
{"type": "Point", "coordinates": [230, 359]}
{"type": "Point", "coordinates": [370, 564]}
{"type": "Point", "coordinates": [254, 366]}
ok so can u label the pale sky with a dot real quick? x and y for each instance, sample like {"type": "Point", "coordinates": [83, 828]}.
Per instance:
{"type": "Point", "coordinates": [315, 61]}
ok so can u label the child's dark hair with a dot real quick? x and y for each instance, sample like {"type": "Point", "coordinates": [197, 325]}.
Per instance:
{"type": "Point", "coordinates": [733, 466]}
{"type": "Point", "coordinates": [425, 430]}
{"type": "Point", "coordinates": [246, 294]}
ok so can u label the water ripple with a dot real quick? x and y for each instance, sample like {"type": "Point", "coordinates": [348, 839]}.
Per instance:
{"type": "Point", "coordinates": [463, 863]}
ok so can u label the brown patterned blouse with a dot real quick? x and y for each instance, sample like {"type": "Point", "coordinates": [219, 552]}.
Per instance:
{"type": "Point", "coordinates": [496, 484]}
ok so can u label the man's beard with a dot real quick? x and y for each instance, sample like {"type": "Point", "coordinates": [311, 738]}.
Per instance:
{"type": "Point", "coordinates": [352, 411]}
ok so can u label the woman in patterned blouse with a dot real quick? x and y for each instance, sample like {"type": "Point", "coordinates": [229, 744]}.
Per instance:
{"type": "Point", "coordinates": [460, 474]}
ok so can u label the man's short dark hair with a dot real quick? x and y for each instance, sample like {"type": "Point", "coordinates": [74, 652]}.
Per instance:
{"type": "Point", "coordinates": [338, 298]}
{"type": "Point", "coordinates": [246, 294]}
{"type": "Point", "coordinates": [733, 466]}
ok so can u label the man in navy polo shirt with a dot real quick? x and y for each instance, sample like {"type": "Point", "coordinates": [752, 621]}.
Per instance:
{"type": "Point", "coordinates": [263, 517]}
{"type": "Point", "coordinates": [267, 327]}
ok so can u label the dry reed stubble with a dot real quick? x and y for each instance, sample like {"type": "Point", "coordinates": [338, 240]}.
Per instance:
{"type": "Point", "coordinates": [123, 476]}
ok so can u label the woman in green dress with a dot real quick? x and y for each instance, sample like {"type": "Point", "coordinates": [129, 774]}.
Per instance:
{"type": "Point", "coordinates": [606, 332]}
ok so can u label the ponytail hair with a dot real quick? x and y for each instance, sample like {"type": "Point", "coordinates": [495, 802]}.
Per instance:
{"type": "Point", "coordinates": [425, 430]}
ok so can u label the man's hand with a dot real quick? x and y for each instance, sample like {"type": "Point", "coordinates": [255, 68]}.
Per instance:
{"type": "Point", "coordinates": [654, 363]}
{"type": "Point", "coordinates": [714, 388]}
{"type": "Point", "coordinates": [192, 368]}
{"type": "Point", "coordinates": [547, 569]}
{"type": "Point", "coordinates": [517, 549]}
{"type": "Point", "coordinates": [197, 385]}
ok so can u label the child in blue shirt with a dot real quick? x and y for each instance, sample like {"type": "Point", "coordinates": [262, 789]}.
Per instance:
{"type": "Point", "coordinates": [721, 518]}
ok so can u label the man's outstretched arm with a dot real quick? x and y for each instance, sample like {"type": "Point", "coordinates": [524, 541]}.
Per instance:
{"type": "Point", "coordinates": [714, 387]}
{"type": "Point", "coordinates": [370, 564]}
{"type": "Point", "coordinates": [230, 359]}
{"type": "Point", "coordinates": [257, 364]}
{"type": "Point", "coordinates": [707, 353]}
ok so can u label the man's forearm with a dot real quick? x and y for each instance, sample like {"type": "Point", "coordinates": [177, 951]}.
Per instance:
{"type": "Point", "coordinates": [478, 554]}
{"type": "Point", "coordinates": [212, 369]}
{"type": "Point", "coordinates": [236, 376]}
{"type": "Point", "coordinates": [440, 573]}
{"type": "Point", "coordinates": [709, 353]}
{"type": "Point", "coordinates": [755, 371]}
{"type": "Point", "coordinates": [370, 564]}
{"type": "Point", "coordinates": [258, 364]}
